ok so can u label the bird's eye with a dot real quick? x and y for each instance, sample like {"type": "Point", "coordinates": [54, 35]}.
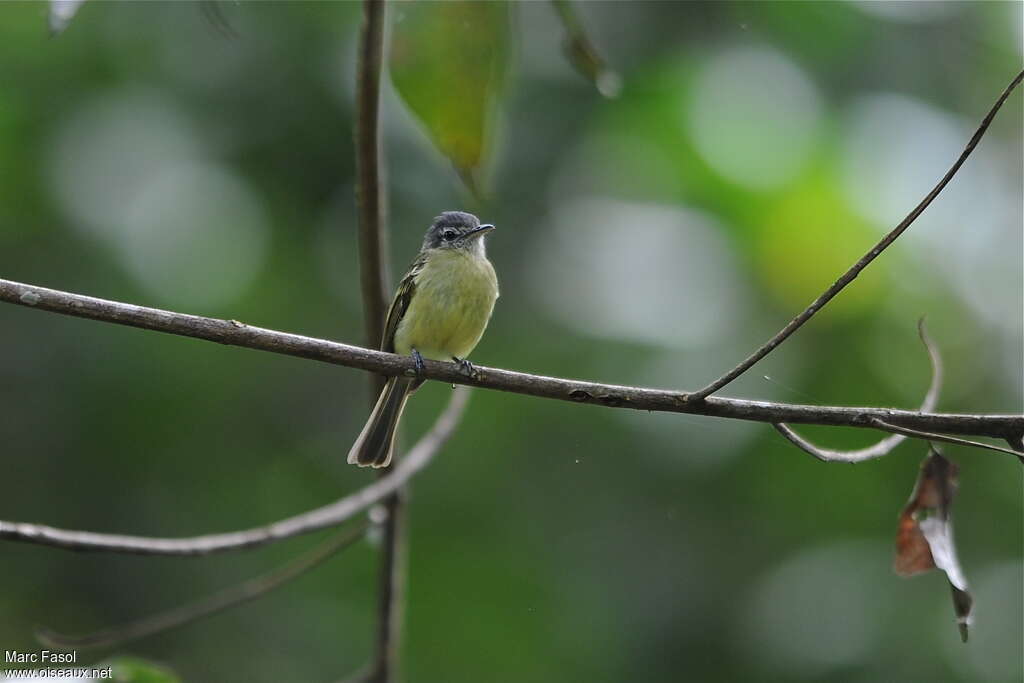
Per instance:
{"type": "Point", "coordinates": [449, 234]}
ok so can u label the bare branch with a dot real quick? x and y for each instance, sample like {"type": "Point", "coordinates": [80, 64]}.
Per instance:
{"type": "Point", "coordinates": [886, 445]}
{"type": "Point", "coordinates": [235, 333]}
{"type": "Point", "coordinates": [319, 518]}
{"type": "Point", "coordinates": [218, 602]}
{"type": "Point", "coordinates": [863, 262]}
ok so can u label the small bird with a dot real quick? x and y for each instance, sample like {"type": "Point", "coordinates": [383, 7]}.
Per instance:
{"type": "Point", "coordinates": [440, 311]}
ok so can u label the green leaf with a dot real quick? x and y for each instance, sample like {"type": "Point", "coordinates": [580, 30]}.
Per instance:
{"type": "Point", "coordinates": [448, 62]}
{"type": "Point", "coordinates": [135, 670]}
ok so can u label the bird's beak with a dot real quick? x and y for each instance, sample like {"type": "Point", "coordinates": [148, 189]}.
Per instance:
{"type": "Point", "coordinates": [481, 231]}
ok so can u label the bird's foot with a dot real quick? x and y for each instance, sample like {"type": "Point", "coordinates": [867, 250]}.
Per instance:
{"type": "Point", "coordinates": [417, 360]}
{"type": "Point", "coordinates": [467, 368]}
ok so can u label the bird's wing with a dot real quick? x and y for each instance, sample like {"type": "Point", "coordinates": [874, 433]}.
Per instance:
{"type": "Point", "coordinates": [400, 304]}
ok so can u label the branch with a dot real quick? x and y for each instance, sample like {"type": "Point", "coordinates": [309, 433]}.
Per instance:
{"type": "Point", "coordinates": [319, 518]}
{"type": "Point", "coordinates": [235, 333]}
{"type": "Point", "coordinates": [886, 445]}
{"type": "Point", "coordinates": [218, 602]}
{"type": "Point", "coordinates": [861, 264]}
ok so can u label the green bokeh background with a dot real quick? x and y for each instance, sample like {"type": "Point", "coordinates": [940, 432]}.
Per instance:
{"type": "Point", "coordinates": [550, 541]}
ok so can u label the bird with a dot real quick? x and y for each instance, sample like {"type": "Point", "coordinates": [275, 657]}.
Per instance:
{"type": "Point", "coordinates": [440, 311]}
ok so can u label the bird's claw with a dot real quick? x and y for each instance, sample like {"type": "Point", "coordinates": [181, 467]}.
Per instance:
{"type": "Point", "coordinates": [417, 360]}
{"type": "Point", "coordinates": [466, 367]}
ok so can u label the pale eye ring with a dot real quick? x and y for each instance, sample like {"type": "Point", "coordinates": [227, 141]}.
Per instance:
{"type": "Point", "coordinates": [449, 234]}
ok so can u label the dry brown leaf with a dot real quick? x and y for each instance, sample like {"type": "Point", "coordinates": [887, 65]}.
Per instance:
{"type": "Point", "coordinates": [924, 538]}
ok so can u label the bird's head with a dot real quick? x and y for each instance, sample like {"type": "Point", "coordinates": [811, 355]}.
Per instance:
{"type": "Point", "coordinates": [457, 230]}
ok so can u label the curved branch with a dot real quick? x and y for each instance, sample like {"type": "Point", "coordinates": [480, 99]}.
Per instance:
{"type": "Point", "coordinates": [886, 445]}
{"type": "Point", "coordinates": [863, 262]}
{"type": "Point", "coordinates": [319, 518]}
{"type": "Point", "coordinates": [218, 602]}
{"type": "Point", "coordinates": [883, 447]}
{"type": "Point", "coordinates": [235, 333]}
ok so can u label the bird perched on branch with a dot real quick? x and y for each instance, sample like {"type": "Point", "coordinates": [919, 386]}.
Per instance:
{"type": "Point", "coordinates": [440, 311]}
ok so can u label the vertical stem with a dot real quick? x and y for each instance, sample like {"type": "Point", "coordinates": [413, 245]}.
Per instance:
{"type": "Point", "coordinates": [392, 592]}
{"type": "Point", "coordinates": [369, 202]}
{"type": "Point", "coordinates": [374, 279]}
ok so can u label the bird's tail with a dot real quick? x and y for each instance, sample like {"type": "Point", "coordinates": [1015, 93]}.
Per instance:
{"type": "Point", "coordinates": [377, 440]}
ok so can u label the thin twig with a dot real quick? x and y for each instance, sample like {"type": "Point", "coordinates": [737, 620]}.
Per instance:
{"type": "Point", "coordinates": [931, 436]}
{"type": "Point", "coordinates": [208, 606]}
{"type": "Point", "coordinates": [863, 262]}
{"type": "Point", "coordinates": [886, 445]}
{"type": "Point", "coordinates": [319, 518]}
{"type": "Point", "coordinates": [235, 333]}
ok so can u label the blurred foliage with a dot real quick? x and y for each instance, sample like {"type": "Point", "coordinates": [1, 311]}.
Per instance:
{"type": "Point", "coordinates": [755, 150]}
{"type": "Point", "coordinates": [448, 62]}
{"type": "Point", "coordinates": [135, 670]}
{"type": "Point", "coordinates": [582, 53]}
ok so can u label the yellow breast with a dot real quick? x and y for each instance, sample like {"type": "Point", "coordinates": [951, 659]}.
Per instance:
{"type": "Point", "coordinates": [450, 308]}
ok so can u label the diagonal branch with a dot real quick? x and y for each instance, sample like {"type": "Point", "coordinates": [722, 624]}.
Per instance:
{"type": "Point", "coordinates": [863, 262]}
{"type": "Point", "coordinates": [218, 602]}
{"type": "Point", "coordinates": [886, 445]}
{"type": "Point", "coordinates": [327, 516]}
{"type": "Point", "coordinates": [235, 333]}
